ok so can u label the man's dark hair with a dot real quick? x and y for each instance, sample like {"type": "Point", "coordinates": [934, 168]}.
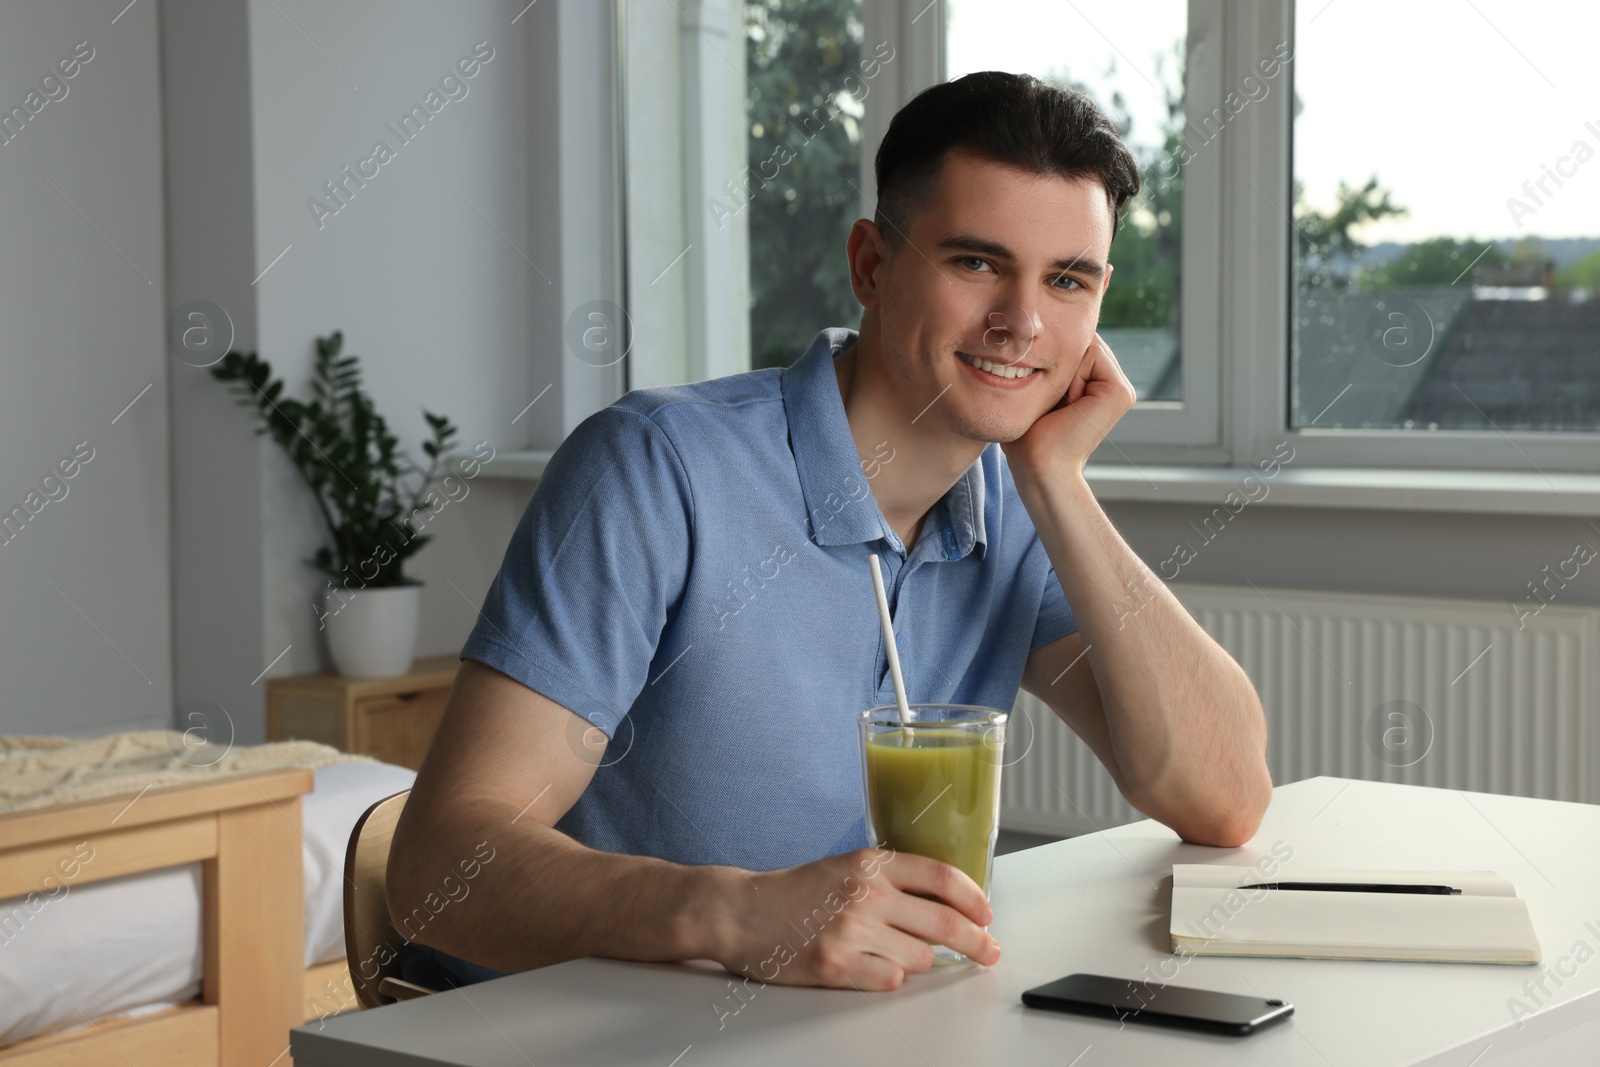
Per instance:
{"type": "Point", "coordinates": [1009, 118]}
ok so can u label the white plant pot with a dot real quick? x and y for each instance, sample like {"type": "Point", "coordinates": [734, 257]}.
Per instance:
{"type": "Point", "coordinates": [372, 633]}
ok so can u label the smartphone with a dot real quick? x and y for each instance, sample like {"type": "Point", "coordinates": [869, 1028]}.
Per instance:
{"type": "Point", "coordinates": [1161, 1005]}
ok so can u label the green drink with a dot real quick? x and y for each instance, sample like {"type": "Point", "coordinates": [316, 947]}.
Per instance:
{"type": "Point", "coordinates": [935, 792]}
{"type": "Point", "coordinates": [933, 786]}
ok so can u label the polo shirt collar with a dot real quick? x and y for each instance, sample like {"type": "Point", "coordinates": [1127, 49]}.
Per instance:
{"type": "Point", "coordinates": [839, 504]}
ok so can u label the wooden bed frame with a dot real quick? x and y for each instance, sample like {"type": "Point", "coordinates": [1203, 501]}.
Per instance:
{"type": "Point", "coordinates": [245, 830]}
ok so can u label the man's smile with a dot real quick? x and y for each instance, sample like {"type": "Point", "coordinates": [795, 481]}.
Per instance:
{"type": "Point", "coordinates": [998, 375]}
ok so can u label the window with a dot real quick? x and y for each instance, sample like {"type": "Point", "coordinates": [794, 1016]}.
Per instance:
{"type": "Point", "coordinates": [749, 150]}
{"type": "Point", "coordinates": [1446, 255]}
{"type": "Point", "coordinates": [1389, 265]}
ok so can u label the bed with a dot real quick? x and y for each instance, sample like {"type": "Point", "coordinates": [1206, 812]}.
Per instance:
{"type": "Point", "coordinates": [187, 924]}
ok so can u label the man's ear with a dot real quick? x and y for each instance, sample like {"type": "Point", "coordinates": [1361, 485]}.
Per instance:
{"type": "Point", "coordinates": [866, 251]}
{"type": "Point", "coordinates": [1106, 283]}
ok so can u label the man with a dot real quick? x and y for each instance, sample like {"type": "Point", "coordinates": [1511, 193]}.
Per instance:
{"type": "Point", "coordinates": [653, 732]}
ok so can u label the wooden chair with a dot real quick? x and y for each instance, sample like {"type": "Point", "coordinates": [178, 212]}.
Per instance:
{"type": "Point", "coordinates": [371, 943]}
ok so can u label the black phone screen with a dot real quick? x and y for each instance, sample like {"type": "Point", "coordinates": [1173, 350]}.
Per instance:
{"type": "Point", "coordinates": [1151, 1002]}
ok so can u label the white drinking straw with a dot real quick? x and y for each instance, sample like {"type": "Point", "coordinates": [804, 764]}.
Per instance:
{"type": "Point", "coordinates": [888, 641]}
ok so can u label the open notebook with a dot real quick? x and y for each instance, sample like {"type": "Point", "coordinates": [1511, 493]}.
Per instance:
{"type": "Point", "coordinates": [1486, 923]}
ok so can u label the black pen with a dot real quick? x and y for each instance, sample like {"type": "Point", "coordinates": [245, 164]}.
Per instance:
{"type": "Point", "coordinates": [1358, 887]}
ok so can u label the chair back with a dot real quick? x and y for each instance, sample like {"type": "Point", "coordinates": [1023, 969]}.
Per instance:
{"type": "Point", "coordinates": [371, 943]}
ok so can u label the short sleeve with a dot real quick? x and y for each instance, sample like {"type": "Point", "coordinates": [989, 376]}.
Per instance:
{"type": "Point", "coordinates": [594, 571]}
{"type": "Point", "coordinates": [1055, 614]}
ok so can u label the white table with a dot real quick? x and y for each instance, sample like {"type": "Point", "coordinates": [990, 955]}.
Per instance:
{"type": "Point", "coordinates": [1099, 904]}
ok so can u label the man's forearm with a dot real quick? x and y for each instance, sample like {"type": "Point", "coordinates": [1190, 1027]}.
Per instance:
{"type": "Point", "coordinates": [542, 898]}
{"type": "Point", "coordinates": [1184, 720]}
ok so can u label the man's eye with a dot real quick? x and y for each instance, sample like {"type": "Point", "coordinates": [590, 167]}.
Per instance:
{"type": "Point", "coordinates": [1068, 278]}
{"type": "Point", "coordinates": [965, 260]}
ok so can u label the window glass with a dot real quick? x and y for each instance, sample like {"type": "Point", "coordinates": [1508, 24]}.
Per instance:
{"type": "Point", "coordinates": [1447, 241]}
{"type": "Point", "coordinates": [805, 99]}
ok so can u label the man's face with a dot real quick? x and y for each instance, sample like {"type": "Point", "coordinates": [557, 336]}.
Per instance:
{"type": "Point", "coordinates": [1004, 266]}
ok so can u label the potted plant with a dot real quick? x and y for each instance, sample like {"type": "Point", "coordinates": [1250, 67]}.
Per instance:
{"type": "Point", "coordinates": [369, 494]}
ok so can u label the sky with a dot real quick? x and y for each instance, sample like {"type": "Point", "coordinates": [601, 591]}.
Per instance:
{"type": "Point", "coordinates": [1452, 104]}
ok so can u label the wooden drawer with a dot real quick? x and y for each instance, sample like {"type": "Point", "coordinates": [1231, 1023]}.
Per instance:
{"type": "Point", "coordinates": [304, 717]}
{"type": "Point", "coordinates": [391, 719]}
{"type": "Point", "coordinates": [399, 728]}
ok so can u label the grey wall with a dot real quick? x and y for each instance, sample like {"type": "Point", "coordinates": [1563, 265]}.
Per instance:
{"type": "Point", "coordinates": [85, 612]}
{"type": "Point", "coordinates": [217, 462]}
{"type": "Point", "coordinates": [1476, 557]}
{"type": "Point", "coordinates": [176, 568]}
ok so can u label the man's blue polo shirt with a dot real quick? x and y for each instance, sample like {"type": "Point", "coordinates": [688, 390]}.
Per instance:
{"type": "Point", "coordinates": [691, 578]}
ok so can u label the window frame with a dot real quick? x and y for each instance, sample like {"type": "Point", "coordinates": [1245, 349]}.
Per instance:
{"type": "Point", "coordinates": [916, 28]}
{"type": "Point", "coordinates": [1259, 299]}
{"type": "Point", "coordinates": [1193, 425]}
{"type": "Point", "coordinates": [683, 279]}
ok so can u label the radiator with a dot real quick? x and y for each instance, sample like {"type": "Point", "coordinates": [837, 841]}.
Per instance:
{"type": "Point", "coordinates": [1397, 689]}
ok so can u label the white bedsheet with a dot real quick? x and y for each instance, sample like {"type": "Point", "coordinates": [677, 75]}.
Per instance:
{"type": "Point", "coordinates": [114, 947]}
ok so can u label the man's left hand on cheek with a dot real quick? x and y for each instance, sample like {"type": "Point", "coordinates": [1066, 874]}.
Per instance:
{"type": "Point", "coordinates": [1061, 440]}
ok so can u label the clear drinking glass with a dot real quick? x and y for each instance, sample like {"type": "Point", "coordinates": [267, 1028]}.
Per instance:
{"type": "Point", "coordinates": [932, 786]}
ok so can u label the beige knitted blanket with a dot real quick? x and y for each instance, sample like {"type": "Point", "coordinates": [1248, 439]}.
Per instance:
{"type": "Point", "coordinates": [42, 772]}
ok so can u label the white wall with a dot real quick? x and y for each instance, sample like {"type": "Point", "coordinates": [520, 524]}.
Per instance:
{"type": "Point", "coordinates": [426, 290]}
{"type": "Point", "coordinates": [85, 607]}
{"type": "Point", "coordinates": [429, 268]}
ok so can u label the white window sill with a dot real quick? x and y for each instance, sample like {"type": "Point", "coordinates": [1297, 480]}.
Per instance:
{"type": "Point", "coordinates": [1503, 492]}
{"type": "Point", "coordinates": [518, 465]}
{"type": "Point", "coordinates": [1489, 492]}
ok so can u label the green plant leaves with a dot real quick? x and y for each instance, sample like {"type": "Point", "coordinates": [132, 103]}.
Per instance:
{"type": "Point", "coordinates": [366, 488]}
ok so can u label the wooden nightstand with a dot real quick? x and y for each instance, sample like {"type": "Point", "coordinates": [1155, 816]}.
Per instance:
{"type": "Point", "coordinates": [391, 719]}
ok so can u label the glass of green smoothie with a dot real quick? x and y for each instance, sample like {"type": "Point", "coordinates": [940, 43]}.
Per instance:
{"type": "Point", "coordinates": [932, 786]}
